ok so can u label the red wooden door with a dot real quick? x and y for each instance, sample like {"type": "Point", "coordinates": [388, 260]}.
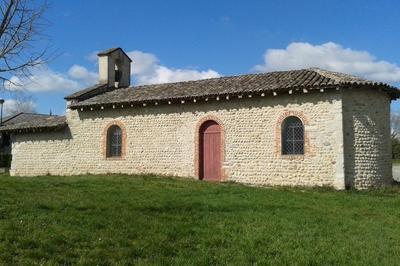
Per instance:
{"type": "Point", "coordinates": [210, 151]}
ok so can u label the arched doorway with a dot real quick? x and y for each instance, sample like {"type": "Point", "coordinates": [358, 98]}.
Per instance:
{"type": "Point", "coordinates": [210, 144]}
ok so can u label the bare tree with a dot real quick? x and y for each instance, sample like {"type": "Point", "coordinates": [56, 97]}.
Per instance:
{"type": "Point", "coordinates": [395, 124]}
{"type": "Point", "coordinates": [19, 103]}
{"type": "Point", "coordinates": [21, 34]}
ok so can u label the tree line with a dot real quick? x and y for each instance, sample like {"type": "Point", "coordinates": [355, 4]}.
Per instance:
{"type": "Point", "coordinates": [395, 134]}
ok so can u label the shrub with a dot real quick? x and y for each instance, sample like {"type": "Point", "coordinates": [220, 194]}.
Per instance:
{"type": "Point", "coordinates": [5, 160]}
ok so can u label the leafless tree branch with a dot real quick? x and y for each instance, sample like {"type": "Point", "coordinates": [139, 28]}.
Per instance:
{"type": "Point", "coordinates": [21, 47]}
{"type": "Point", "coordinates": [19, 102]}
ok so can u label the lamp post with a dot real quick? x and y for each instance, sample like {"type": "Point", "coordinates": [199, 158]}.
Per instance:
{"type": "Point", "coordinates": [1, 111]}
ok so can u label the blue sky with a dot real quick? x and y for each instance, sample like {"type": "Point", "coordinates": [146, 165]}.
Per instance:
{"type": "Point", "coordinates": [177, 40]}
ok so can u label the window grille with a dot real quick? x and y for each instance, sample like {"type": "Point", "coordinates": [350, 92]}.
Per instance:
{"type": "Point", "coordinates": [292, 136]}
{"type": "Point", "coordinates": [114, 141]}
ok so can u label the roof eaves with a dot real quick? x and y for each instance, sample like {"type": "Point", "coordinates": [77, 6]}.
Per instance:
{"type": "Point", "coordinates": [44, 123]}
{"type": "Point", "coordinates": [108, 51]}
{"type": "Point", "coordinates": [28, 129]}
{"type": "Point", "coordinates": [276, 82]}
{"type": "Point", "coordinates": [203, 96]}
{"type": "Point", "coordinates": [90, 92]}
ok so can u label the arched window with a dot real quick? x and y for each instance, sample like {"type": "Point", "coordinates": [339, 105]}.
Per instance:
{"type": "Point", "coordinates": [114, 141]}
{"type": "Point", "coordinates": [292, 136]}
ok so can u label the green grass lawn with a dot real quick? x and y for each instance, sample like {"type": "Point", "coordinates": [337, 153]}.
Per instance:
{"type": "Point", "coordinates": [148, 220]}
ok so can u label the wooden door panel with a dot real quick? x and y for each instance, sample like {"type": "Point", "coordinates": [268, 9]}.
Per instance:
{"type": "Point", "coordinates": [210, 151]}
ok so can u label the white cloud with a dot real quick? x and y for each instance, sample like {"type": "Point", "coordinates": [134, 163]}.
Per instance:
{"type": "Point", "coordinates": [147, 69]}
{"type": "Point", "coordinates": [42, 80]}
{"type": "Point", "coordinates": [330, 56]}
{"type": "Point", "coordinates": [82, 74]}
{"type": "Point", "coordinates": [46, 80]}
{"type": "Point", "coordinates": [143, 63]}
{"type": "Point", "coordinates": [164, 74]}
{"type": "Point", "coordinates": [12, 106]}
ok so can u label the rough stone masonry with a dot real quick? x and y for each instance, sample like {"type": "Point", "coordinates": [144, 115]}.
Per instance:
{"type": "Point", "coordinates": [345, 123]}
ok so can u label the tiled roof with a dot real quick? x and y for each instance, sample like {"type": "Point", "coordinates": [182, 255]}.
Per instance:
{"type": "Point", "coordinates": [108, 51]}
{"type": "Point", "coordinates": [111, 50]}
{"type": "Point", "coordinates": [280, 81]}
{"type": "Point", "coordinates": [88, 92]}
{"type": "Point", "coordinates": [27, 122]}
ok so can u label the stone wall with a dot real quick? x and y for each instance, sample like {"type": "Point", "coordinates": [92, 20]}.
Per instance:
{"type": "Point", "coordinates": [41, 153]}
{"type": "Point", "coordinates": [368, 154]}
{"type": "Point", "coordinates": [162, 140]}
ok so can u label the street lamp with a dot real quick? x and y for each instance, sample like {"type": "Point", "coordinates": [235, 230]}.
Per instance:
{"type": "Point", "coordinates": [1, 111]}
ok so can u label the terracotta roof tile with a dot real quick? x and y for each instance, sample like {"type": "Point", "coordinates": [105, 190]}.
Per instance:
{"type": "Point", "coordinates": [311, 79]}
{"type": "Point", "coordinates": [27, 122]}
{"type": "Point", "coordinates": [88, 92]}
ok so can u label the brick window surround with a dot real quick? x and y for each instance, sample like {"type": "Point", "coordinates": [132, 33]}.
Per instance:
{"type": "Point", "coordinates": [224, 176]}
{"type": "Point", "coordinates": [278, 136]}
{"type": "Point", "coordinates": [104, 142]}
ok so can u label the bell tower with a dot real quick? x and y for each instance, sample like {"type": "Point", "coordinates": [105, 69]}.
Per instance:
{"type": "Point", "coordinates": [114, 68]}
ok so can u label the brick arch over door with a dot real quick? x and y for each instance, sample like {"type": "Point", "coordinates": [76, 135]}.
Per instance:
{"type": "Point", "coordinates": [209, 150]}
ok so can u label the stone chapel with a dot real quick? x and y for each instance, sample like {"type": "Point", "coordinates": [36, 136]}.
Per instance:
{"type": "Point", "coordinates": [307, 127]}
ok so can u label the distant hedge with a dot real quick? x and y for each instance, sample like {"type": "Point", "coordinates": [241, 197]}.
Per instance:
{"type": "Point", "coordinates": [5, 160]}
{"type": "Point", "coordinates": [395, 148]}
